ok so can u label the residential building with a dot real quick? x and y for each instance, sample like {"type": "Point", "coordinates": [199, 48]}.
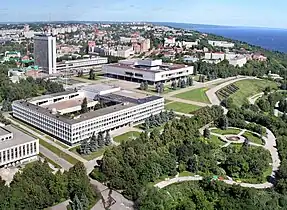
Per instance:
{"type": "Point", "coordinates": [238, 61]}
{"type": "Point", "coordinates": [16, 147]}
{"type": "Point", "coordinates": [82, 63]}
{"type": "Point", "coordinates": [170, 41]}
{"type": "Point", "coordinates": [57, 114]}
{"type": "Point", "coordinates": [147, 70]}
{"type": "Point", "coordinates": [45, 53]}
{"type": "Point", "coordinates": [223, 44]}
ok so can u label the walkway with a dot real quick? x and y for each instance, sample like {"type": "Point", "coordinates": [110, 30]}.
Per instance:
{"type": "Point", "coordinates": [253, 99]}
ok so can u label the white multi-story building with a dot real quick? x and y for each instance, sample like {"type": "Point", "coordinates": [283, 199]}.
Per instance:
{"type": "Point", "coordinates": [45, 53]}
{"type": "Point", "coordinates": [57, 114]}
{"type": "Point", "coordinates": [170, 41]}
{"type": "Point", "coordinates": [147, 70]}
{"type": "Point", "coordinates": [238, 61]}
{"type": "Point", "coordinates": [16, 147]}
{"type": "Point", "coordinates": [221, 44]}
{"type": "Point", "coordinates": [82, 63]}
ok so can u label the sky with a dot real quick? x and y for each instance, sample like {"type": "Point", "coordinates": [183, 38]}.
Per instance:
{"type": "Point", "coordinates": [259, 13]}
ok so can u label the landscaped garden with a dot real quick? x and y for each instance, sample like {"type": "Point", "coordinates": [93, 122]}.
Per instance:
{"type": "Point", "coordinates": [240, 91]}
{"type": "Point", "coordinates": [198, 95]}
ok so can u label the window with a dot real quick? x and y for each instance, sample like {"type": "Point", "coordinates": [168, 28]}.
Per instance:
{"type": "Point", "coordinates": [24, 150]}
{"type": "Point", "coordinates": [138, 75]}
{"type": "Point", "coordinates": [129, 73]}
{"type": "Point", "coordinates": [4, 156]}
{"type": "Point", "coordinates": [35, 148]}
{"type": "Point", "coordinates": [8, 155]}
{"type": "Point", "coordinates": [31, 148]}
{"type": "Point", "coordinates": [27, 147]}
{"type": "Point", "coordinates": [16, 152]}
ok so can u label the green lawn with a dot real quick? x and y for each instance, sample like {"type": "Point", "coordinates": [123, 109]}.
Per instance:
{"type": "Point", "coordinates": [195, 95]}
{"type": "Point", "coordinates": [216, 140]}
{"type": "Point", "coordinates": [57, 142]}
{"type": "Point", "coordinates": [182, 107]}
{"type": "Point", "coordinates": [185, 173]}
{"type": "Point", "coordinates": [167, 101]}
{"type": "Point", "coordinates": [226, 132]}
{"type": "Point", "coordinates": [248, 88]}
{"type": "Point", "coordinates": [58, 152]}
{"type": "Point", "coordinates": [253, 138]}
{"type": "Point", "coordinates": [126, 136]}
{"type": "Point", "coordinates": [91, 156]}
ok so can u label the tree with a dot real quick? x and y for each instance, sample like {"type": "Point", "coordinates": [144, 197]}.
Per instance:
{"type": "Point", "coordinates": [76, 204]}
{"type": "Point", "coordinates": [171, 114]}
{"type": "Point", "coordinates": [142, 86]}
{"type": "Point", "coordinates": [190, 81]}
{"type": "Point", "coordinates": [173, 84]}
{"type": "Point", "coordinates": [223, 122]}
{"type": "Point", "coordinates": [93, 144]}
{"type": "Point", "coordinates": [80, 73]}
{"type": "Point", "coordinates": [101, 141]}
{"type": "Point", "coordinates": [179, 83]}
{"type": "Point", "coordinates": [84, 201]}
{"type": "Point", "coordinates": [84, 148]}
{"type": "Point", "coordinates": [182, 83]}
{"type": "Point", "coordinates": [92, 75]}
{"type": "Point", "coordinates": [145, 85]}
{"type": "Point", "coordinates": [108, 139]}
{"type": "Point", "coordinates": [206, 133]}
{"type": "Point", "coordinates": [84, 106]}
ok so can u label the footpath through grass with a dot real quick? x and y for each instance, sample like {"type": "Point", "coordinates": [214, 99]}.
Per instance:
{"type": "Point", "coordinates": [50, 161]}
{"type": "Point", "coordinates": [195, 95]}
{"type": "Point", "coordinates": [233, 131]}
{"type": "Point", "coordinates": [182, 107]}
{"type": "Point", "coordinates": [248, 88]}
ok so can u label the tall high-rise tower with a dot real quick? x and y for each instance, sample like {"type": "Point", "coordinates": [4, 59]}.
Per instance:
{"type": "Point", "coordinates": [45, 53]}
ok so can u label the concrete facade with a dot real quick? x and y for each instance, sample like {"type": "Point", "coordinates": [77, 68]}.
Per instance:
{"type": "Point", "coordinates": [45, 53]}
{"type": "Point", "coordinates": [148, 70]}
{"type": "Point", "coordinates": [16, 147]}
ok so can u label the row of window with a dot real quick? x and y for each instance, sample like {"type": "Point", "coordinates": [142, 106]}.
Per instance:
{"type": "Point", "coordinates": [18, 152]}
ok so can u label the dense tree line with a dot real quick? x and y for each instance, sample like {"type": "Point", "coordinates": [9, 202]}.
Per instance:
{"type": "Point", "coordinates": [95, 143]}
{"type": "Point", "coordinates": [208, 194]}
{"type": "Point", "coordinates": [157, 120]}
{"type": "Point", "coordinates": [24, 89]}
{"type": "Point", "coordinates": [135, 163]}
{"type": "Point", "coordinates": [246, 162]}
{"type": "Point", "coordinates": [36, 187]}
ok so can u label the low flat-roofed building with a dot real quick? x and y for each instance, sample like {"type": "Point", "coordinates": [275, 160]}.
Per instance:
{"type": "Point", "coordinates": [60, 114]}
{"type": "Point", "coordinates": [224, 44]}
{"type": "Point", "coordinates": [82, 63]}
{"type": "Point", "coordinates": [149, 70]}
{"type": "Point", "coordinates": [16, 147]}
{"type": "Point", "coordinates": [238, 61]}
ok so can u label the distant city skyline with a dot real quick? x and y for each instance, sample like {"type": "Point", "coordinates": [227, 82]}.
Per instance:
{"type": "Point", "coordinates": [246, 13]}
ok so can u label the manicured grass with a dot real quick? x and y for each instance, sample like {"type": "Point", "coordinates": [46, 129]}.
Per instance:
{"type": "Point", "coordinates": [58, 152]}
{"type": "Point", "coordinates": [182, 107]}
{"type": "Point", "coordinates": [185, 173]}
{"type": "Point", "coordinates": [57, 142]}
{"type": "Point", "coordinates": [257, 180]}
{"type": "Point", "coordinates": [91, 156]}
{"type": "Point", "coordinates": [126, 136]}
{"type": "Point", "coordinates": [195, 95]}
{"type": "Point", "coordinates": [253, 138]}
{"type": "Point", "coordinates": [216, 140]}
{"type": "Point", "coordinates": [226, 132]}
{"type": "Point", "coordinates": [50, 161]}
{"type": "Point", "coordinates": [248, 88]}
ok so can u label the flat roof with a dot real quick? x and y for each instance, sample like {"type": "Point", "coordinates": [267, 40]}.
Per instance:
{"type": "Point", "coordinates": [18, 138]}
{"type": "Point", "coordinates": [66, 104]}
{"type": "Point", "coordinates": [52, 95]}
{"type": "Point", "coordinates": [126, 102]}
{"type": "Point", "coordinates": [4, 131]}
{"type": "Point", "coordinates": [163, 67]}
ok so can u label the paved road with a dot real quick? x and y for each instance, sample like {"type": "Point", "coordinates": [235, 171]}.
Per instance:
{"type": "Point", "coordinates": [47, 153]}
{"type": "Point", "coordinates": [253, 99]}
